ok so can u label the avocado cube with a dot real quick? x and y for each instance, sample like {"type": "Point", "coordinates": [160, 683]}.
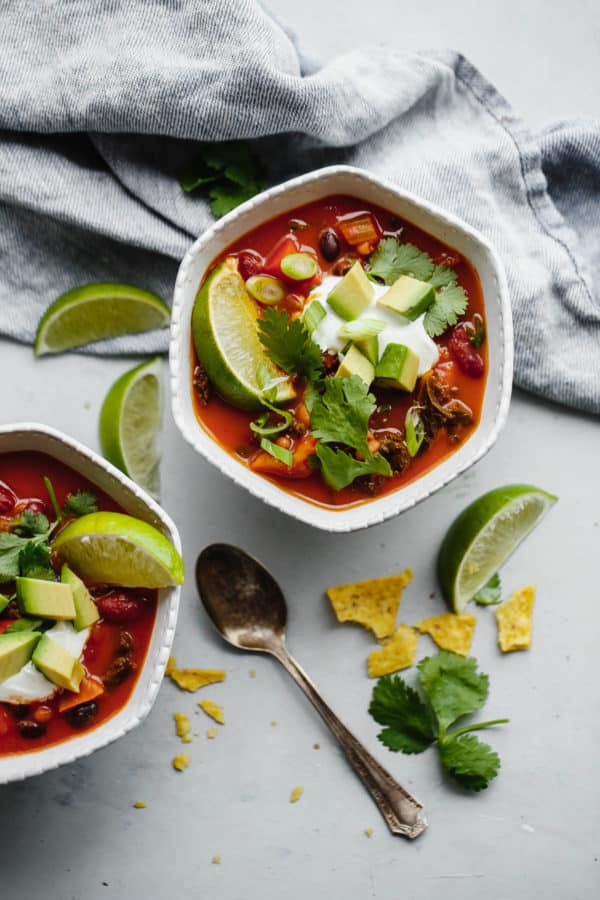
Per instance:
{"type": "Point", "coordinates": [86, 611]}
{"type": "Point", "coordinates": [408, 296]}
{"type": "Point", "coordinates": [57, 664]}
{"type": "Point", "coordinates": [398, 368]}
{"type": "Point", "coordinates": [351, 296]}
{"type": "Point", "coordinates": [46, 599]}
{"type": "Point", "coordinates": [369, 347]}
{"type": "Point", "coordinates": [354, 363]}
{"type": "Point", "coordinates": [15, 652]}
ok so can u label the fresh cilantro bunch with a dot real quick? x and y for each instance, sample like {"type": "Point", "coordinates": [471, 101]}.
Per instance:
{"type": "Point", "coordinates": [392, 259]}
{"type": "Point", "coordinates": [229, 170]}
{"type": "Point", "coordinates": [453, 688]}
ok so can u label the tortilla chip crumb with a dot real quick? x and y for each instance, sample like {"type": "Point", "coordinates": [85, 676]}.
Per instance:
{"type": "Point", "coordinates": [216, 860]}
{"type": "Point", "coordinates": [211, 733]}
{"type": "Point", "coordinates": [252, 673]}
{"type": "Point", "coordinates": [181, 761]}
{"type": "Point", "coordinates": [514, 618]}
{"type": "Point", "coordinates": [296, 794]}
{"type": "Point", "coordinates": [398, 653]}
{"type": "Point", "coordinates": [182, 727]}
{"type": "Point", "coordinates": [213, 710]}
{"type": "Point", "coordinates": [192, 679]}
{"type": "Point", "coordinates": [372, 604]}
{"type": "Point", "coordinates": [451, 631]}
{"type": "Point", "coordinates": [369, 832]}
{"type": "Point", "coordinates": [139, 804]}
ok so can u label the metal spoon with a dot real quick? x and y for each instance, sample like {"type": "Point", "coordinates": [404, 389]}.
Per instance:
{"type": "Point", "coordinates": [248, 609]}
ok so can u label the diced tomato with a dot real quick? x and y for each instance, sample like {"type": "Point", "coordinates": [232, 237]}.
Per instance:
{"type": "Point", "coordinates": [89, 689]}
{"type": "Point", "coordinates": [468, 359]}
{"type": "Point", "coordinates": [8, 500]}
{"type": "Point", "coordinates": [250, 263]}
{"type": "Point", "coordinates": [359, 229]}
{"type": "Point", "coordinates": [4, 624]}
{"type": "Point", "coordinates": [6, 722]}
{"type": "Point", "coordinates": [120, 607]}
{"type": "Point", "coordinates": [300, 468]}
{"type": "Point", "coordinates": [272, 265]}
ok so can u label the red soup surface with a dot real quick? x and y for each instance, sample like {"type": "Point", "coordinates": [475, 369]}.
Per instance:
{"type": "Point", "coordinates": [456, 381]}
{"type": "Point", "coordinates": [117, 645]}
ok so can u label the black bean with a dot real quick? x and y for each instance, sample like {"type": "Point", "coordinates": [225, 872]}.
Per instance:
{"type": "Point", "coordinates": [343, 265]}
{"type": "Point", "coordinates": [80, 716]}
{"type": "Point", "coordinates": [297, 225]}
{"type": "Point", "coordinates": [30, 729]}
{"type": "Point", "coordinates": [329, 244]}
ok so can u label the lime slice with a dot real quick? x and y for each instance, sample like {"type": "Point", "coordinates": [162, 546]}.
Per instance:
{"type": "Point", "coordinates": [130, 424]}
{"type": "Point", "coordinates": [112, 548]}
{"type": "Point", "coordinates": [97, 311]}
{"type": "Point", "coordinates": [224, 325]}
{"type": "Point", "coordinates": [484, 535]}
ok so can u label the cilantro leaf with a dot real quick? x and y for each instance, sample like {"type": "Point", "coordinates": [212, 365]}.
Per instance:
{"type": "Point", "coordinates": [453, 685]}
{"type": "Point", "coordinates": [408, 720]}
{"type": "Point", "coordinates": [80, 504]}
{"type": "Point", "coordinates": [339, 469]}
{"type": "Point", "coordinates": [490, 594]}
{"type": "Point", "coordinates": [442, 277]}
{"type": "Point", "coordinates": [10, 548]}
{"type": "Point", "coordinates": [449, 304]}
{"type": "Point", "coordinates": [31, 523]}
{"type": "Point", "coordinates": [34, 561]}
{"type": "Point", "coordinates": [225, 196]}
{"type": "Point", "coordinates": [230, 170]}
{"type": "Point", "coordinates": [289, 345]}
{"type": "Point", "coordinates": [392, 259]}
{"type": "Point", "coordinates": [472, 763]}
{"type": "Point", "coordinates": [341, 415]}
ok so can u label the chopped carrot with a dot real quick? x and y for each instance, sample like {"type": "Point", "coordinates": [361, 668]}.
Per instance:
{"type": "Point", "coordinates": [359, 229]}
{"type": "Point", "coordinates": [300, 468]}
{"type": "Point", "coordinates": [90, 688]}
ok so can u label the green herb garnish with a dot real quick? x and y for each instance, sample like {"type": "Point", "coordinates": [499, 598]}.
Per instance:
{"type": "Point", "coordinates": [392, 259]}
{"type": "Point", "coordinates": [340, 469]}
{"type": "Point", "coordinates": [289, 344]}
{"type": "Point", "coordinates": [415, 431]}
{"type": "Point", "coordinates": [449, 304]}
{"type": "Point", "coordinates": [82, 503]}
{"type": "Point", "coordinates": [490, 594]}
{"type": "Point", "coordinates": [477, 335]}
{"type": "Point", "coordinates": [453, 688]}
{"type": "Point", "coordinates": [281, 453]}
{"type": "Point", "coordinates": [230, 172]}
{"type": "Point", "coordinates": [31, 523]}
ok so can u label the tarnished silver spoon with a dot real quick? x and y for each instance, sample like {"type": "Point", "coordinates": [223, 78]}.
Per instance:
{"type": "Point", "coordinates": [248, 609]}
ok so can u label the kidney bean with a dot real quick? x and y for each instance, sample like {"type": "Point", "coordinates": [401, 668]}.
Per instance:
{"type": "Point", "coordinates": [31, 503]}
{"type": "Point", "coordinates": [249, 263]}
{"type": "Point", "coordinates": [82, 715]}
{"type": "Point", "coordinates": [8, 500]}
{"type": "Point", "coordinates": [468, 359]}
{"type": "Point", "coordinates": [329, 244]}
{"type": "Point", "coordinates": [30, 729]}
{"type": "Point", "coordinates": [119, 607]}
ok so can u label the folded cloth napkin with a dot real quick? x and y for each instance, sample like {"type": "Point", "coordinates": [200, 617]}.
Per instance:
{"type": "Point", "coordinates": [102, 105]}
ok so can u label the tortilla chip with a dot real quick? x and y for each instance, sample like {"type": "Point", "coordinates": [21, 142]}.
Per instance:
{"type": "Point", "coordinates": [296, 794]}
{"type": "Point", "coordinates": [211, 733]}
{"type": "Point", "coordinates": [398, 653]}
{"type": "Point", "coordinates": [182, 727]}
{"type": "Point", "coordinates": [192, 679]}
{"type": "Point", "coordinates": [451, 631]}
{"type": "Point", "coordinates": [514, 620]}
{"type": "Point", "coordinates": [213, 710]}
{"type": "Point", "coordinates": [181, 762]}
{"type": "Point", "coordinates": [372, 604]}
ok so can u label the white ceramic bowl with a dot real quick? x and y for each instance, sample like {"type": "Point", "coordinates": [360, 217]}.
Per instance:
{"type": "Point", "coordinates": [442, 225]}
{"type": "Point", "coordinates": [138, 503]}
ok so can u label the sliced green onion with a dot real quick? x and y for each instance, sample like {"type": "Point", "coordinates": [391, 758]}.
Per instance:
{"type": "Point", "coordinates": [260, 426]}
{"type": "Point", "coordinates": [360, 329]}
{"type": "Point", "coordinates": [277, 452]}
{"type": "Point", "coordinates": [267, 289]}
{"type": "Point", "coordinates": [415, 431]}
{"type": "Point", "coordinates": [314, 315]}
{"type": "Point", "coordinates": [23, 625]}
{"type": "Point", "coordinates": [298, 266]}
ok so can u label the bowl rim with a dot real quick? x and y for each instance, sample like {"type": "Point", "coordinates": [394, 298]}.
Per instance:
{"type": "Point", "coordinates": [19, 766]}
{"type": "Point", "coordinates": [303, 510]}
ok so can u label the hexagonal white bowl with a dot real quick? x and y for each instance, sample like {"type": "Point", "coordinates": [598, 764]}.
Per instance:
{"type": "Point", "coordinates": [427, 216]}
{"type": "Point", "coordinates": [136, 502]}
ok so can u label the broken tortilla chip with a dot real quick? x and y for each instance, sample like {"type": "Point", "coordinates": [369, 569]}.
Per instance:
{"type": "Point", "coordinates": [372, 604]}
{"type": "Point", "coordinates": [514, 618]}
{"type": "Point", "coordinates": [181, 761]}
{"type": "Point", "coordinates": [450, 631]}
{"type": "Point", "coordinates": [182, 727]}
{"type": "Point", "coordinates": [398, 653]}
{"type": "Point", "coordinates": [213, 710]}
{"type": "Point", "coordinates": [192, 679]}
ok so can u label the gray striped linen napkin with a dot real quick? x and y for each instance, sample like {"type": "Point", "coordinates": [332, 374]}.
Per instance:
{"type": "Point", "coordinates": [101, 108]}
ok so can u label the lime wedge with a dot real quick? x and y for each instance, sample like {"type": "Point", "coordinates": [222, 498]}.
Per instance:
{"type": "Point", "coordinates": [112, 548]}
{"type": "Point", "coordinates": [224, 326]}
{"type": "Point", "coordinates": [484, 535]}
{"type": "Point", "coordinates": [97, 311]}
{"type": "Point", "coordinates": [130, 424]}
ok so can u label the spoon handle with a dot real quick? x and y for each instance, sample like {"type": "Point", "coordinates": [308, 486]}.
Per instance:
{"type": "Point", "coordinates": [401, 811]}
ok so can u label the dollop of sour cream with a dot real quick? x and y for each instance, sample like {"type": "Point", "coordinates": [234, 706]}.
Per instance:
{"type": "Point", "coordinates": [398, 330]}
{"type": "Point", "coordinates": [28, 684]}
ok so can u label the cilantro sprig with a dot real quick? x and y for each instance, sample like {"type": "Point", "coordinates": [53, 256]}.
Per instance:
{"type": "Point", "coordinates": [229, 171]}
{"type": "Point", "coordinates": [289, 344]}
{"type": "Point", "coordinates": [452, 687]}
{"type": "Point", "coordinates": [491, 593]}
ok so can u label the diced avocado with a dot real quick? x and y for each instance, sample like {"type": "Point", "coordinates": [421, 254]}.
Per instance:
{"type": "Point", "coordinates": [398, 367]}
{"type": "Point", "coordinates": [86, 611]}
{"type": "Point", "coordinates": [47, 599]}
{"type": "Point", "coordinates": [369, 347]}
{"type": "Point", "coordinates": [57, 664]}
{"type": "Point", "coordinates": [15, 652]}
{"type": "Point", "coordinates": [351, 296]}
{"type": "Point", "coordinates": [408, 296]}
{"type": "Point", "coordinates": [354, 363]}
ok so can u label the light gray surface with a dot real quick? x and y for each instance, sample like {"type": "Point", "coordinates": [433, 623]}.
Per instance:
{"type": "Point", "coordinates": [534, 833]}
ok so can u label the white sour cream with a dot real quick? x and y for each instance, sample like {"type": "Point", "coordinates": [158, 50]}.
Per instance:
{"type": "Point", "coordinates": [398, 330]}
{"type": "Point", "coordinates": [28, 684]}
